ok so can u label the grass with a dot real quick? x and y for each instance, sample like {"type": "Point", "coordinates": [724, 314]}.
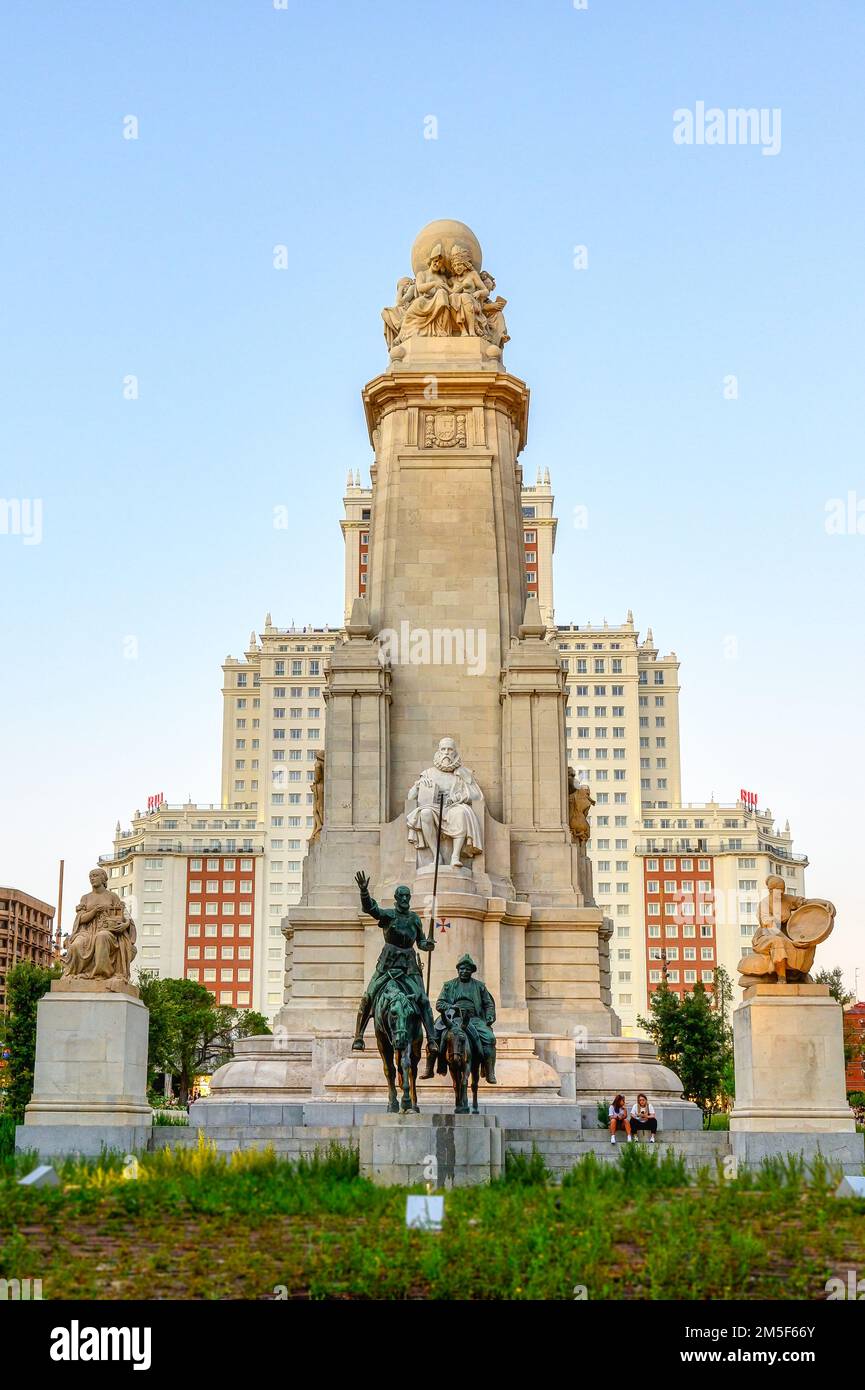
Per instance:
{"type": "Point", "coordinates": [200, 1225]}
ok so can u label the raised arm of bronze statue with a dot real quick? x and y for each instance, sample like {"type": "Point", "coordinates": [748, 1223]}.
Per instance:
{"type": "Point", "coordinates": [369, 905]}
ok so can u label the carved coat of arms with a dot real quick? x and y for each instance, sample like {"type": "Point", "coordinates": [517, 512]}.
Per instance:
{"type": "Point", "coordinates": [444, 429]}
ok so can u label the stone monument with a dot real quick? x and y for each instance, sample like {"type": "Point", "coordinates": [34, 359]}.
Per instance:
{"type": "Point", "coordinates": [90, 1079]}
{"type": "Point", "coordinates": [788, 1040]}
{"type": "Point", "coordinates": [474, 710]}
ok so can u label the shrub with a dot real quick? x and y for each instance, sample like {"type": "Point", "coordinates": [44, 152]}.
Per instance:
{"type": "Point", "coordinates": [25, 985]}
{"type": "Point", "coordinates": [525, 1170]}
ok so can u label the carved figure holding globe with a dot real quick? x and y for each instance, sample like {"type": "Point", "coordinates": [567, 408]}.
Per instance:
{"type": "Point", "coordinates": [450, 296]}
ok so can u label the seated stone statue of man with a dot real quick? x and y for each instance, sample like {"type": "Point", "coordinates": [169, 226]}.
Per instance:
{"type": "Point", "coordinates": [448, 793]}
{"type": "Point", "coordinates": [403, 931]}
{"type": "Point", "coordinates": [473, 998]}
{"type": "Point", "coordinates": [774, 957]}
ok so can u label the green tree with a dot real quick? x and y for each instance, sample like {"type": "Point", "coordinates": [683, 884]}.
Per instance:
{"type": "Point", "coordinates": [843, 996]}
{"type": "Point", "coordinates": [694, 1041]}
{"type": "Point", "coordinates": [662, 1024]}
{"type": "Point", "coordinates": [703, 1049]}
{"type": "Point", "coordinates": [723, 1000]}
{"type": "Point", "coordinates": [25, 985]}
{"type": "Point", "coordinates": [189, 1033]}
{"type": "Point", "coordinates": [251, 1024]}
{"type": "Point", "coordinates": [835, 980]}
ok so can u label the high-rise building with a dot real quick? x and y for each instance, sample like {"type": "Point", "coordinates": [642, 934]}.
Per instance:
{"type": "Point", "coordinates": [26, 933]}
{"type": "Point", "coordinates": [192, 878]}
{"type": "Point", "coordinates": [704, 869]}
{"type": "Point", "coordinates": [622, 727]}
{"type": "Point", "coordinates": [273, 726]}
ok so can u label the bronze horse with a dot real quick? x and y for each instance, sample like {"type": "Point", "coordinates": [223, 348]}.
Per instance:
{"type": "Point", "coordinates": [463, 1059]}
{"type": "Point", "coordinates": [398, 1032]}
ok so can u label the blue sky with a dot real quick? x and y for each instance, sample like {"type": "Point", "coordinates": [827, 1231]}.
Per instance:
{"type": "Point", "coordinates": [305, 127]}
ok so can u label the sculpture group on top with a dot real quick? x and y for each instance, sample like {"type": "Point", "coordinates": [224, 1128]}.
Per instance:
{"type": "Point", "coordinates": [449, 297]}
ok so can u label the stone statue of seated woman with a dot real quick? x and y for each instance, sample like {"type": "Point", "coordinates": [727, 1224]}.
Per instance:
{"type": "Point", "coordinates": [101, 945]}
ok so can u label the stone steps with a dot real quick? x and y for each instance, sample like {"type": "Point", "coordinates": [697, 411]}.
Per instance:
{"type": "Point", "coordinates": [560, 1147]}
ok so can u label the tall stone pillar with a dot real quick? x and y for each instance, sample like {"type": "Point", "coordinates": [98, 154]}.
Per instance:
{"type": "Point", "coordinates": [445, 573]}
{"type": "Point", "coordinates": [325, 930]}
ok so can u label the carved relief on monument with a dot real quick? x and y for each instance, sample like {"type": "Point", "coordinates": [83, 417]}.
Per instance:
{"type": "Point", "coordinates": [580, 802]}
{"type": "Point", "coordinates": [444, 429]}
{"type": "Point", "coordinates": [445, 808]}
{"type": "Point", "coordinates": [317, 797]}
{"type": "Point", "coordinates": [450, 296]}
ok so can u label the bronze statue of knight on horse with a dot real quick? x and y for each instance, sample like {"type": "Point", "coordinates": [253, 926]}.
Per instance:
{"type": "Point", "coordinates": [396, 997]}
{"type": "Point", "coordinates": [461, 1041]}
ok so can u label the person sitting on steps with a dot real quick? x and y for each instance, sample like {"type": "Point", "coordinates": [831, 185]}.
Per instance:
{"type": "Point", "coordinates": [643, 1116]}
{"type": "Point", "coordinates": [619, 1118]}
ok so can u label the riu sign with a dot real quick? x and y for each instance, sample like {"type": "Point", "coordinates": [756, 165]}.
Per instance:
{"type": "Point", "coordinates": [154, 802]}
{"type": "Point", "coordinates": [748, 799]}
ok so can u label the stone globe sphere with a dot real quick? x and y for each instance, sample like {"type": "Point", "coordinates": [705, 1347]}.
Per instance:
{"type": "Point", "coordinates": [449, 233]}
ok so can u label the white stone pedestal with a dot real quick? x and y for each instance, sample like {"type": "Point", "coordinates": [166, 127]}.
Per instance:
{"type": "Point", "coordinates": [790, 1085]}
{"type": "Point", "coordinates": [90, 1081]}
{"type": "Point", "coordinates": [522, 1076]}
{"type": "Point", "coordinates": [444, 1150]}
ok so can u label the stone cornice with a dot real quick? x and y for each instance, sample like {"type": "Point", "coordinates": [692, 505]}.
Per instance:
{"type": "Point", "coordinates": [403, 390]}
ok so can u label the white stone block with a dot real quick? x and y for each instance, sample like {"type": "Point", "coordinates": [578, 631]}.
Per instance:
{"type": "Point", "coordinates": [91, 1061]}
{"type": "Point", "coordinates": [789, 1059]}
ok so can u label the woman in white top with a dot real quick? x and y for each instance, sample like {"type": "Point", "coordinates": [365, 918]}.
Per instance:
{"type": "Point", "coordinates": [619, 1118]}
{"type": "Point", "coordinates": [643, 1117]}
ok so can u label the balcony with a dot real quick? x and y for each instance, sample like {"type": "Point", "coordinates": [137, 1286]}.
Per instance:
{"type": "Point", "coordinates": [673, 847]}
{"type": "Point", "coordinates": [766, 847]}
{"type": "Point", "coordinates": [181, 847]}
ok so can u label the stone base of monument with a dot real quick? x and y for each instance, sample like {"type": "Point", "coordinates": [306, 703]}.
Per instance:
{"type": "Point", "coordinates": [846, 1151]}
{"type": "Point", "coordinates": [318, 1080]}
{"type": "Point", "coordinates": [522, 1076]}
{"type": "Point", "coordinates": [444, 1150]}
{"type": "Point", "coordinates": [90, 1077]}
{"type": "Point", "coordinates": [83, 1141]}
{"type": "Point", "coordinates": [791, 1097]}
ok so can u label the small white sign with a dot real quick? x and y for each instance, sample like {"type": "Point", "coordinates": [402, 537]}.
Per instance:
{"type": "Point", "coordinates": [424, 1213]}
{"type": "Point", "coordinates": [43, 1176]}
{"type": "Point", "coordinates": [851, 1187]}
